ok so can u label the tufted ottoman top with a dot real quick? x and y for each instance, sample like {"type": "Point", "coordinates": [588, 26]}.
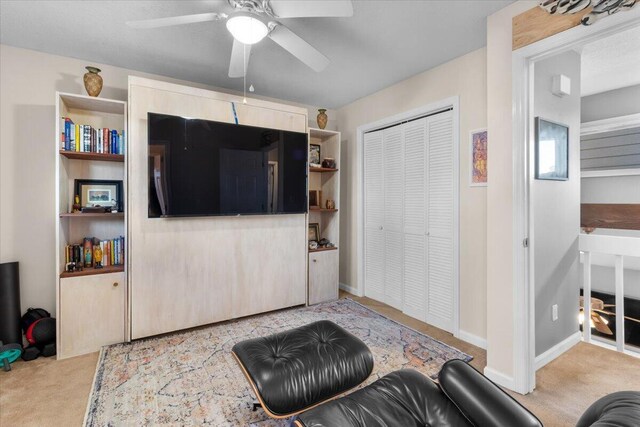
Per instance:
{"type": "Point", "coordinates": [294, 370]}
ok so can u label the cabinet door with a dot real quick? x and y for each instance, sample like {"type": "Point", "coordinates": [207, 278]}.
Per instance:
{"type": "Point", "coordinates": [323, 276]}
{"type": "Point", "coordinates": [91, 313]}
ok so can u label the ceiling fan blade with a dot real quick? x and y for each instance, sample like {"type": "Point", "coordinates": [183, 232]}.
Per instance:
{"type": "Point", "coordinates": [311, 8]}
{"type": "Point", "coordinates": [239, 59]}
{"type": "Point", "coordinates": [613, 314]}
{"type": "Point", "coordinates": [176, 20]}
{"type": "Point", "coordinates": [299, 48]}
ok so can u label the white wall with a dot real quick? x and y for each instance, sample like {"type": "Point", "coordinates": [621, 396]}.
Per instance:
{"type": "Point", "coordinates": [28, 82]}
{"type": "Point", "coordinates": [500, 255]}
{"type": "Point", "coordinates": [613, 103]}
{"type": "Point", "coordinates": [610, 189]}
{"type": "Point", "coordinates": [465, 77]}
{"type": "Point", "coordinates": [556, 210]}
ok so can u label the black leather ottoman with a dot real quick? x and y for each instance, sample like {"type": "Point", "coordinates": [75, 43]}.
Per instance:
{"type": "Point", "coordinates": [295, 370]}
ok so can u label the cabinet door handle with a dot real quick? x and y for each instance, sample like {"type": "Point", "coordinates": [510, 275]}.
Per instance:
{"type": "Point", "coordinates": [115, 284]}
{"type": "Point", "coordinates": [380, 228]}
{"type": "Point", "coordinates": [315, 260]}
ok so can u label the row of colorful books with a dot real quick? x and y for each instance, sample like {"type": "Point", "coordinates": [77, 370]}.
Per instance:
{"type": "Point", "coordinates": [84, 138]}
{"type": "Point", "coordinates": [86, 254]}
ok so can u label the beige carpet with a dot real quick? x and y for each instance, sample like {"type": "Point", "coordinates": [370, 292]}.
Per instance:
{"type": "Point", "coordinates": [46, 392]}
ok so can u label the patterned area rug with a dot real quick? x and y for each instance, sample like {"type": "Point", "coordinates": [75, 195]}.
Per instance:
{"type": "Point", "coordinates": [191, 378]}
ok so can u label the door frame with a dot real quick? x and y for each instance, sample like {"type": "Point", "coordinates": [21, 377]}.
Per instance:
{"type": "Point", "coordinates": [431, 108]}
{"type": "Point", "coordinates": [523, 60]}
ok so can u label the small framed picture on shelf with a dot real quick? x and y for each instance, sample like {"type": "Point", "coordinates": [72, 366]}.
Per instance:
{"type": "Point", "coordinates": [315, 199]}
{"type": "Point", "coordinates": [552, 150]}
{"type": "Point", "coordinates": [314, 155]}
{"type": "Point", "coordinates": [98, 192]}
{"type": "Point", "coordinates": [314, 232]}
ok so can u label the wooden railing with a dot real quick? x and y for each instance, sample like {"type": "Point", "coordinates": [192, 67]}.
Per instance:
{"type": "Point", "coordinates": [619, 247]}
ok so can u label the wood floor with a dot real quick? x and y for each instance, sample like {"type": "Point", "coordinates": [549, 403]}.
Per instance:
{"type": "Point", "coordinates": [46, 392]}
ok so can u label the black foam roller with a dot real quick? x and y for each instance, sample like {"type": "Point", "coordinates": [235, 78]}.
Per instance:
{"type": "Point", "coordinates": [10, 332]}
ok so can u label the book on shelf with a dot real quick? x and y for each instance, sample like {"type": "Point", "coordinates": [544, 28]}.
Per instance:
{"type": "Point", "coordinates": [87, 139]}
{"type": "Point", "coordinates": [84, 253]}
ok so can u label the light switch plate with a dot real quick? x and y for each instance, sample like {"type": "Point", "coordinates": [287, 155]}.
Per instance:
{"type": "Point", "coordinates": [554, 312]}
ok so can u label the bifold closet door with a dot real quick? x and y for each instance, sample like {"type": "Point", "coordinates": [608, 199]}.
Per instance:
{"type": "Point", "coordinates": [415, 279]}
{"type": "Point", "coordinates": [393, 149]}
{"type": "Point", "coordinates": [409, 190]}
{"type": "Point", "coordinates": [441, 201]}
{"type": "Point", "coordinates": [374, 202]}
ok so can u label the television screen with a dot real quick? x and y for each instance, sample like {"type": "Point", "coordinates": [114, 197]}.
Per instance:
{"type": "Point", "coordinates": [202, 167]}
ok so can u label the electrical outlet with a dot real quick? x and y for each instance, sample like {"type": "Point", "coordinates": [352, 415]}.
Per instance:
{"type": "Point", "coordinates": [554, 312]}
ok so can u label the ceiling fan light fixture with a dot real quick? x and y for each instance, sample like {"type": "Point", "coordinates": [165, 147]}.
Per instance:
{"type": "Point", "coordinates": [247, 28]}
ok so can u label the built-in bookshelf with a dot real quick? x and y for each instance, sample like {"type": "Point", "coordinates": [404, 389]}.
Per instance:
{"type": "Point", "coordinates": [90, 144]}
{"type": "Point", "coordinates": [324, 261]}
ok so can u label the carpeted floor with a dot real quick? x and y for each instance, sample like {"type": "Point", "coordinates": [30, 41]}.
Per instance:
{"type": "Point", "coordinates": [47, 392]}
{"type": "Point", "coordinates": [191, 378]}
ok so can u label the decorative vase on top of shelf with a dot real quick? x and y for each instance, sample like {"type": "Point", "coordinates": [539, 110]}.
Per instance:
{"type": "Point", "coordinates": [93, 81]}
{"type": "Point", "coordinates": [322, 118]}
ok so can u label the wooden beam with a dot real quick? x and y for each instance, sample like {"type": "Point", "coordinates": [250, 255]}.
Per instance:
{"type": "Point", "coordinates": [621, 216]}
{"type": "Point", "coordinates": [537, 24]}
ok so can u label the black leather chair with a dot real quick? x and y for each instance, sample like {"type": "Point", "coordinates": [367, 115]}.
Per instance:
{"type": "Point", "coordinates": [463, 397]}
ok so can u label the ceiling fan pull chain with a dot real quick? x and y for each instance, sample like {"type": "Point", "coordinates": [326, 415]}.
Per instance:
{"type": "Point", "coordinates": [244, 77]}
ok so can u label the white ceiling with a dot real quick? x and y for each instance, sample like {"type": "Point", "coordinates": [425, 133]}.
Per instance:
{"type": "Point", "coordinates": [611, 63]}
{"type": "Point", "coordinates": [383, 43]}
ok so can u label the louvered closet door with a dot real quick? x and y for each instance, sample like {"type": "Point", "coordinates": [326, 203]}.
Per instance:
{"type": "Point", "coordinates": [374, 201]}
{"type": "Point", "coordinates": [415, 220]}
{"type": "Point", "coordinates": [392, 142]}
{"type": "Point", "coordinates": [440, 208]}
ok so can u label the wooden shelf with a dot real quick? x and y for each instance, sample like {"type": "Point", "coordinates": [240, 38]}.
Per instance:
{"type": "Point", "coordinates": [323, 170]}
{"type": "Point", "coordinates": [323, 249]}
{"type": "Point", "coordinates": [93, 215]}
{"type": "Point", "coordinates": [323, 134]}
{"type": "Point", "coordinates": [81, 155]}
{"type": "Point", "coordinates": [323, 210]}
{"type": "Point", "coordinates": [91, 271]}
{"type": "Point", "coordinates": [93, 104]}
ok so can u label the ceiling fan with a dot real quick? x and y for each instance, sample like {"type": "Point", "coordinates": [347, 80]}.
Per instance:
{"type": "Point", "coordinates": [597, 321]}
{"type": "Point", "coordinates": [249, 21]}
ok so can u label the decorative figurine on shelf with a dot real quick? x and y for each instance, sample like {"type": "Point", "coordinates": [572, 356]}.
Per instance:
{"type": "Point", "coordinates": [97, 256]}
{"type": "Point", "coordinates": [330, 204]}
{"type": "Point", "coordinates": [88, 252]}
{"type": "Point", "coordinates": [76, 204]}
{"type": "Point", "coordinates": [114, 208]}
{"type": "Point", "coordinates": [313, 245]}
{"type": "Point", "coordinates": [323, 242]}
{"type": "Point", "coordinates": [329, 163]}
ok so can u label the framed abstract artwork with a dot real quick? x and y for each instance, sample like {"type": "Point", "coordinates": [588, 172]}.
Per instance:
{"type": "Point", "coordinates": [551, 150]}
{"type": "Point", "coordinates": [478, 145]}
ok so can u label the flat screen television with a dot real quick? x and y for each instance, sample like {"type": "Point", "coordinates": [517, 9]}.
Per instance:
{"type": "Point", "coordinates": [203, 167]}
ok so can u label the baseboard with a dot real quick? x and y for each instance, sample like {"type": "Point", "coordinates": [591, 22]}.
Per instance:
{"type": "Point", "coordinates": [350, 289]}
{"type": "Point", "coordinates": [558, 349]}
{"type": "Point", "coordinates": [499, 378]}
{"type": "Point", "coordinates": [472, 339]}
